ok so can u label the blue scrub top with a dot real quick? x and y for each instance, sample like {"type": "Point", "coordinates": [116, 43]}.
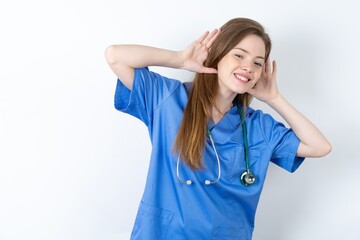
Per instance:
{"type": "Point", "coordinates": [172, 210]}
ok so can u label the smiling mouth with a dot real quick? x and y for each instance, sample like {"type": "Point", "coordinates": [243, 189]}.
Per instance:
{"type": "Point", "coordinates": [241, 78]}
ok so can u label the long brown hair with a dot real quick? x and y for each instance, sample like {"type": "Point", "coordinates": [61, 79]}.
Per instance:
{"type": "Point", "coordinates": [191, 137]}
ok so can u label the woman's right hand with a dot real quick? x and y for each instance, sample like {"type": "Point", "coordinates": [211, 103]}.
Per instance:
{"type": "Point", "coordinates": [196, 53]}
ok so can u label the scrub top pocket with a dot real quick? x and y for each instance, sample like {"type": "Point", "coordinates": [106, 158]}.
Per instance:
{"type": "Point", "coordinates": [151, 223]}
{"type": "Point", "coordinates": [239, 165]}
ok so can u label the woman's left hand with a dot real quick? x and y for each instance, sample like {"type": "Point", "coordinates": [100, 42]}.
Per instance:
{"type": "Point", "coordinates": [266, 87]}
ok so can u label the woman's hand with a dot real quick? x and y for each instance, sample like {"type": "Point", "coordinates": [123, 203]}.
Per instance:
{"type": "Point", "coordinates": [266, 88]}
{"type": "Point", "coordinates": [124, 58]}
{"type": "Point", "coordinates": [313, 142]}
{"type": "Point", "coordinates": [196, 53]}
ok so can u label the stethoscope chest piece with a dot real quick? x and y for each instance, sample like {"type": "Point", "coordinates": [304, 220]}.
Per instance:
{"type": "Point", "coordinates": [247, 178]}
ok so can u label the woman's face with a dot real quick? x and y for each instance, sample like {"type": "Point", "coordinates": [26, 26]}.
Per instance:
{"type": "Point", "coordinates": [241, 68]}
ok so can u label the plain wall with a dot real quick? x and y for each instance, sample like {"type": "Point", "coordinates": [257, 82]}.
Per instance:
{"type": "Point", "coordinates": [72, 167]}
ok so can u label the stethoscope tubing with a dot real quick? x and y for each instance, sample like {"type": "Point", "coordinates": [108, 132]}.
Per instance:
{"type": "Point", "coordinates": [207, 182]}
{"type": "Point", "coordinates": [247, 178]}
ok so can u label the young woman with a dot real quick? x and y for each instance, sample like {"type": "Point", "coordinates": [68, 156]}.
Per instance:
{"type": "Point", "coordinates": [210, 149]}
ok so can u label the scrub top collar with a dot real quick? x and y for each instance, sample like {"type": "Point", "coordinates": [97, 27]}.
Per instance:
{"type": "Point", "coordinates": [231, 119]}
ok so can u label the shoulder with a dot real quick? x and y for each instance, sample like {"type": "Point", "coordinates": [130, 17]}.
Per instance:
{"type": "Point", "coordinates": [257, 114]}
{"type": "Point", "coordinates": [149, 80]}
{"type": "Point", "coordinates": [262, 120]}
{"type": "Point", "coordinates": [147, 72]}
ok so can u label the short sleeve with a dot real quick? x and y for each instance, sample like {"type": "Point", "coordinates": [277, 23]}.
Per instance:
{"type": "Point", "coordinates": [283, 142]}
{"type": "Point", "coordinates": [148, 92]}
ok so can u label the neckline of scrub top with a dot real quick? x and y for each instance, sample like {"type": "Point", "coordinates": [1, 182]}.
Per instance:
{"type": "Point", "coordinates": [231, 119]}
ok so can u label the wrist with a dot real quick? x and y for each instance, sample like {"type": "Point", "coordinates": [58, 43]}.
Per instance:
{"type": "Point", "coordinates": [274, 101]}
{"type": "Point", "coordinates": [180, 59]}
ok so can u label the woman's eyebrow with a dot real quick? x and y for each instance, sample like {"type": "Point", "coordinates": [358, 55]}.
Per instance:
{"type": "Point", "coordinates": [248, 52]}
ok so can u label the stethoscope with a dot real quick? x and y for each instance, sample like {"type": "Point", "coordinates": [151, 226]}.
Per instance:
{"type": "Point", "coordinates": [247, 178]}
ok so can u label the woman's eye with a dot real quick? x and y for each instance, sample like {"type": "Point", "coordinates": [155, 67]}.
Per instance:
{"type": "Point", "coordinates": [258, 64]}
{"type": "Point", "coordinates": [239, 56]}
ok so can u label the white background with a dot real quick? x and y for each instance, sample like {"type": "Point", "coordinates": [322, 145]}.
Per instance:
{"type": "Point", "coordinates": [72, 167]}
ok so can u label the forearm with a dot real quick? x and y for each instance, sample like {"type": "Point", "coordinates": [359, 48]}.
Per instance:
{"type": "Point", "coordinates": [137, 56]}
{"type": "Point", "coordinates": [123, 59]}
{"type": "Point", "coordinates": [313, 142]}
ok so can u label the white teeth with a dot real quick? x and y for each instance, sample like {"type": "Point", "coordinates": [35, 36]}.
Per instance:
{"type": "Point", "coordinates": [241, 78]}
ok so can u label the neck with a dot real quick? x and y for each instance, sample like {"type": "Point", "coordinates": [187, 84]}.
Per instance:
{"type": "Point", "coordinates": [224, 102]}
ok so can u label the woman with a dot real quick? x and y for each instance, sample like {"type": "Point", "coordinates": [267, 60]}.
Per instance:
{"type": "Point", "coordinates": [210, 149]}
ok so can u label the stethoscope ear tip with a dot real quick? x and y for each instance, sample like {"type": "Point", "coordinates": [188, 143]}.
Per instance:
{"type": "Point", "coordinates": [188, 182]}
{"type": "Point", "coordinates": [207, 182]}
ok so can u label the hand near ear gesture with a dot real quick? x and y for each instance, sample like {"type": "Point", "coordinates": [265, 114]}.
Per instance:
{"type": "Point", "coordinates": [196, 53]}
{"type": "Point", "coordinates": [266, 88]}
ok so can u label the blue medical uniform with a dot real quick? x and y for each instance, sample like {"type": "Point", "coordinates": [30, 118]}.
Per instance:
{"type": "Point", "coordinates": [225, 210]}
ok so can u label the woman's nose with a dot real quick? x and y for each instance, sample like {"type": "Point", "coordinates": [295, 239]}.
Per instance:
{"type": "Point", "coordinates": [246, 67]}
